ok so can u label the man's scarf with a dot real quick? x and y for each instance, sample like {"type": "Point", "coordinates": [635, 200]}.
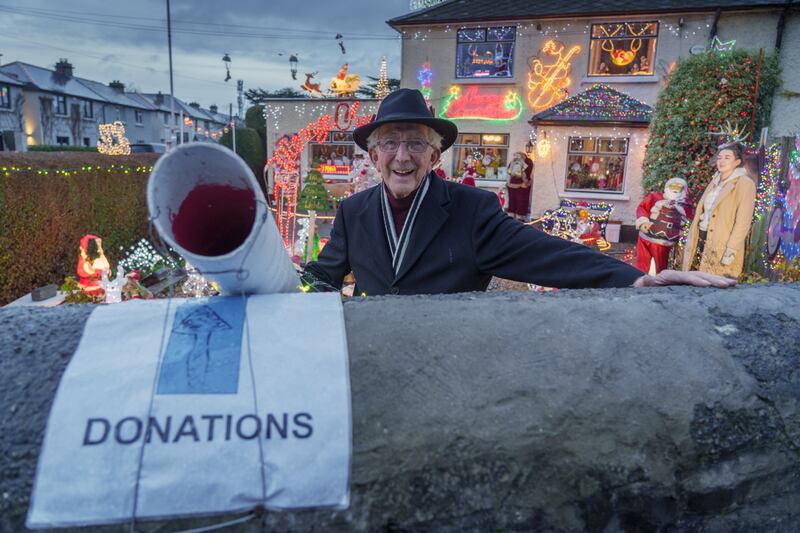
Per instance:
{"type": "Point", "coordinates": [397, 246]}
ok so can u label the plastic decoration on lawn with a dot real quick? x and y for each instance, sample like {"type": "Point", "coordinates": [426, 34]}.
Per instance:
{"type": "Point", "coordinates": [783, 233]}
{"type": "Point", "coordinates": [581, 222]}
{"type": "Point", "coordinates": [285, 198]}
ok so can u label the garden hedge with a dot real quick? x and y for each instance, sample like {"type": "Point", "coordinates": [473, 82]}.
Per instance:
{"type": "Point", "coordinates": [48, 201]}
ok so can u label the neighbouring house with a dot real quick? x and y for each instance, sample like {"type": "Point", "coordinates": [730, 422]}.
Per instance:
{"type": "Point", "coordinates": [12, 114]}
{"type": "Point", "coordinates": [55, 107]}
{"type": "Point", "coordinates": [559, 81]}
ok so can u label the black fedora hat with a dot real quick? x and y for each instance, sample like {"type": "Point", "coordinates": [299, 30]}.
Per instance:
{"type": "Point", "coordinates": [406, 105]}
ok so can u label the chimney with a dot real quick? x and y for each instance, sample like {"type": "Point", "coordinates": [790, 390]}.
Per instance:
{"type": "Point", "coordinates": [194, 105]}
{"type": "Point", "coordinates": [64, 68]}
{"type": "Point", "coordinates": [213, 108]}
{"type": "Point", "coordinates": [117, 86]}
{"type": "Point", "coordinates": [159, 99]}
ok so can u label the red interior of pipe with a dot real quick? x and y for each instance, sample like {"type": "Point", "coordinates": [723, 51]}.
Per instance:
{"type": "Point", "coordinates": [214, 219]}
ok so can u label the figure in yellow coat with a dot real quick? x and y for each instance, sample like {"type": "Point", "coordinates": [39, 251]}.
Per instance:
{"type": "Point", "coordinates": [716, 241]}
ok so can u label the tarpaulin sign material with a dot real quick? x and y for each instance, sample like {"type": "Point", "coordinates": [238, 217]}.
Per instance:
{"type": "Point", "coordinates": [193, 407]}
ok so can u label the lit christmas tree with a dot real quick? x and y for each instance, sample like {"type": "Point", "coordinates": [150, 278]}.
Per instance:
{"type": "Point", "coordinates": [314, 197]}
{"type": "Point", "coordinates": [382, 89]}
{"type": "Point", "coordinates": [363, 175]}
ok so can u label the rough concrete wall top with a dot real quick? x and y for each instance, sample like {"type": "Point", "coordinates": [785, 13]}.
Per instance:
{"type": "Point", "coordinates": [621, 409]}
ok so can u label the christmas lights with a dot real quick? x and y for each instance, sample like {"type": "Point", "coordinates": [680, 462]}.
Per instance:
{"type": "Point", "coordinates": [425, 79]}
{"type": "Point", "coordinates": [382, 87]}
{"type": "Point", "coordinates": [476, 105]}
{"type": "Point", "coordinates": [548, 82]}
{"type": "Point", "coordinates": [112, 139]}
{"type": "Point", "coordinates": [116, 169]}
{"type": "Point", "coordinates": [599, 103]}
{"type": "Point", "coordinates": [287, 152]}
{"type": "Point", "coordinates": [722, 47]}
{"type": "Point", "coordinates": [285, 196]}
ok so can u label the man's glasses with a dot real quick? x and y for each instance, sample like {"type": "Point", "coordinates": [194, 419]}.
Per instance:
{"type": "Point", "coordinates": [415, 146]}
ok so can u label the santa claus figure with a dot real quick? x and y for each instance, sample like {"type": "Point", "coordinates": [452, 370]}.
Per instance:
{"type": "Point", "coordinates": [91, 264]}
{"type": "Point", "coordinates": [660, 218]}
{"type": "Point", "coordinates": [468, 178]}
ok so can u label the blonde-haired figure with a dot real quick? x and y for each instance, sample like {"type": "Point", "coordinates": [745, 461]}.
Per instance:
{"type": "Point", "coordinates": [722, 221]}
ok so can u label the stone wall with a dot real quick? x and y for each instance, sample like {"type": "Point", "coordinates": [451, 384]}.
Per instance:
{"type": "Point", "coordinates": [626, 409]}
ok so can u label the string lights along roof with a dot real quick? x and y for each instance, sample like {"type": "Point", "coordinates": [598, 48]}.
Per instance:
{"type": "Point", "coordinates": [456, 11]}
{"type": "Point", "coordinates": [598, 104]}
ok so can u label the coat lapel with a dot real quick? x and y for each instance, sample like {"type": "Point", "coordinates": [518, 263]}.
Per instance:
{"type": "Point", "coordinates": [430, 219]}
{"type": "Point", "coordinates": [371, 221]}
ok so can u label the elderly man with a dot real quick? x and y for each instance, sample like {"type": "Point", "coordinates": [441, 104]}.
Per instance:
{"type": "Point", "coordinates": [419, 234]}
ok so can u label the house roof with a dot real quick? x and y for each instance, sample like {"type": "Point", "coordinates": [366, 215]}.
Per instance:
{"type": "Point", "coordinates": [488, 10]}
{"type": "Point", "coordinates": [4, 78]}
{"type": "Point", "coordinates": [113, 96]}
{"type": "Point", "coordinates": [599, 104]}
{"type": "Point", "coordinates": [47, 80]}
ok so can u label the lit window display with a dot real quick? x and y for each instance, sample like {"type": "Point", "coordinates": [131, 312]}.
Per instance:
{"type": "Point", "coordinates": [596, 164]}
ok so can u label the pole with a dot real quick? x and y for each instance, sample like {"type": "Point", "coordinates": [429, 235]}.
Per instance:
{"type": "Point", "coordinates": [233, 126]}
{"type": "Point", "coordinates": [171, 83]}
{"type": "Point", "coordinates": [755, 94]}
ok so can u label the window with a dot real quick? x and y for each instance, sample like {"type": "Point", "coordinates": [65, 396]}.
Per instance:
{"type": "Point", "coordinates": [61, 105]}
{"type": "Point", "coordinates": [119, 114]}
{"type": "Point", "coordinates": [5, 96]}
{"type": "Point", "coordinates": [139, 116]}
{"type": "Point", "coordinates": [335, 155]}
{"type": "Point", "coordinates": [166, 118]}
{"type": "Point", "coordinates": [62, 141]}
{"type": "Point", "coordinates": [485, 52]}
{"type": "Point", "coordinates": [596, 164]}
{"type": "Point", "coordinates": [489, 152]}
{"type": "Point", "coordinates": [623, 49]}
{"type": "Point", "coordinates": [87, 141]}
{"type": "Point", "coordinates": [88, 109]}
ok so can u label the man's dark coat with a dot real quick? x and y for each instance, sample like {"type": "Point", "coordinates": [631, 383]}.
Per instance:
{"type": "Point", "coordinates": [460, 239]}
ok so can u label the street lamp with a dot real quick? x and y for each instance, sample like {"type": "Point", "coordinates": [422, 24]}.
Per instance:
{"type": "Point", "coordinates": [227, 60]}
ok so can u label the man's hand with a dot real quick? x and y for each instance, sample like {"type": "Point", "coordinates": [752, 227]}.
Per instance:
{"type": "Point", "coordinates": [675, 277]}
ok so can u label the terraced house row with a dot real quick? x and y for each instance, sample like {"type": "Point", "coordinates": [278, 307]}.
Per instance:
{"type": "Point", "coordinates": [54, 107]}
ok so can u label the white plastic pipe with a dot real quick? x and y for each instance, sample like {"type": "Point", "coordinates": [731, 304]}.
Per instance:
{"type": "Point", "coordinates": [206, 204]}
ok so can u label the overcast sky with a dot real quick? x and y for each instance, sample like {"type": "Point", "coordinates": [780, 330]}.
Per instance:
{"type": "Point", "coordinates": [110, 40]}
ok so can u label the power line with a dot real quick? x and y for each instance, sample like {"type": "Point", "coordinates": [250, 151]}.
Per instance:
{"type": "Point", "coordinates": [93, 21]}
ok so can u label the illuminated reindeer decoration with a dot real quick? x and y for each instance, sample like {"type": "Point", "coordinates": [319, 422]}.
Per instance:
{"type": "Point", "coordinates": [620, 56]}
{"type": "Point", "coordinates": [312, 88]}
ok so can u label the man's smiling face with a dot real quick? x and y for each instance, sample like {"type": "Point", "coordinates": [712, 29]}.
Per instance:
{"type": "Point", "coordinates": [403, 170]}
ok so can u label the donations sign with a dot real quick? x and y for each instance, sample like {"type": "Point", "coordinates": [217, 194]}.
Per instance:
{"type": "Point", "coordinates": [193, 407]}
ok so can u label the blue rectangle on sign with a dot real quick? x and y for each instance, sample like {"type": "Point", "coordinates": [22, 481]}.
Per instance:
{"type": "Point", "coordinates": [204, 348]}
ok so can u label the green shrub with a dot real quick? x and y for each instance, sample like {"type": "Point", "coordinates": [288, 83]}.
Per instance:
{"type": "Point", "coordinates": [254, 118]}
{"type": "Point", "coordinates": [704, 94]}
{"type": "Point", "coordinates": [249, 147]}
{"type": "Point", "coordinates": [46, 210]}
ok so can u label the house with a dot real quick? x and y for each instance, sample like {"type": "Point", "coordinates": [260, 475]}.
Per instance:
{"type": "Point", "coordinates": [43, 106]}
{"type": "Point", "coordinates": [315, 132]}
{"type": "Point", "coordinates": [501, 68]}
{"type": "Point", "coordinates": [12, 115]}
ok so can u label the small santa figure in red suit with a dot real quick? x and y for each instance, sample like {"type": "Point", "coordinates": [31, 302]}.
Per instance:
{"type": "Point", "coordinates": [91, 264]}
{"type": "Point", "coordinates": [468, 178]}
{"type": "Point", "coordinates": [660, 218]}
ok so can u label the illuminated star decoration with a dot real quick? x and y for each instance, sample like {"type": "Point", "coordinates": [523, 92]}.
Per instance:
{"type": "Point", "coordinates": [720, 47]}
